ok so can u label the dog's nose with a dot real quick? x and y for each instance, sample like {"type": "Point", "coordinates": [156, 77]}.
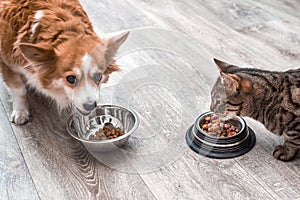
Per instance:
{"type": "Point", "coordinates": [89, 105]}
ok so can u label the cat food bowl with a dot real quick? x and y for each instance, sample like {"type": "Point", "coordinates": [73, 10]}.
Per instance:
{"type": "Point", "coordinates": [236, 140]}
{"type": "Point", "coordinates": [104, 129]}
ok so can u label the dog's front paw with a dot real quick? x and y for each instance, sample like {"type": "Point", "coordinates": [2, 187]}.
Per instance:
{"type": "Point", "coordinates": [283, 153]}
{"type": "Point", "coordinates": [20, 117]}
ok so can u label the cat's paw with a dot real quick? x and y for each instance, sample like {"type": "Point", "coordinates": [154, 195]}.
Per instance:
{"type": "Point", "coordinates": [20, 116]}
{"type": "Point", "coordinates": [283, 153]}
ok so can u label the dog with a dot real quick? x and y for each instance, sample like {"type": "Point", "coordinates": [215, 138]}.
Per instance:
{"type": "Point", "coordinates": [51, 45]}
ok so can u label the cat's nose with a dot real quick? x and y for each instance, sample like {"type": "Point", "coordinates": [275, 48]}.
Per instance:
{"type": "Point", "coordinates": [89, 105]}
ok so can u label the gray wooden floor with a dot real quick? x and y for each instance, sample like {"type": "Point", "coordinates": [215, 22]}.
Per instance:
{"type": "Point", "coordinates": [167, 75]}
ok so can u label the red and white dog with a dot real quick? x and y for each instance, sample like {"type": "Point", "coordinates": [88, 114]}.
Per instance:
{"type": "Point", "coordinates": [51, 43]}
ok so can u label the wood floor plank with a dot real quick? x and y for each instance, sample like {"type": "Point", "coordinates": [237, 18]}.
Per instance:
{"type": "Point", "coordinates": [16, 181]}
{"type": "Point", "coordinates": [212, 30]}
{"type": "Point", "coordinates": [264, 22]}
{"type": "Point", "coordinates": [115, 15]}
{"type": "Point", "coordinates": [197, 177]}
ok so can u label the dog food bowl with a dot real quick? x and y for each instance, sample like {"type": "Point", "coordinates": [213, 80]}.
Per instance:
{"type": "Point", "coordinates": [81, 126]}
{"type": "Point", "coordinates": [220, 147]}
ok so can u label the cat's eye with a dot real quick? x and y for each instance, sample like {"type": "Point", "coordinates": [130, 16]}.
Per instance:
{"type": "Point", "coordinates": [97, 77]}
{"type": "Point", "coordinates": [71, 79]}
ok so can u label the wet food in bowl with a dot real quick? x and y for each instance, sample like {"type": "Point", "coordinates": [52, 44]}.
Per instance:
{"type": "Point", "coordinates": [218, 127]}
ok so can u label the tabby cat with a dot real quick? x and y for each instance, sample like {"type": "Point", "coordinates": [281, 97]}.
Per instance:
{"type": "Point", "coordinates": [273, 98]}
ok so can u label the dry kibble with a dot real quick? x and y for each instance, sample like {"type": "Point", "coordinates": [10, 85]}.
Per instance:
{"type": "Point", "coordinates": [214, 126]}
{"type": "Point", "coordinates": [208, 118]}
{"type": "Point", "coordinates": [92, 137]}
{"type": "Point", "coordinates": [97, 137]}
{"type": "Point", "coordinates": [107, 132]}
{"type": "Point", "coordinates": [205, 127]}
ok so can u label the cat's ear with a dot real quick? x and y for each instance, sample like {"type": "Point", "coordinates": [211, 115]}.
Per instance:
{"type": "Point", "coordinates": [231, 82]}
{"type": "Point", "coordinates": [223, 66]}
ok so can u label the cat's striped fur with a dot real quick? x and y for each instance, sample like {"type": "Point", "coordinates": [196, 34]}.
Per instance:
{"type": "Point", "coordinates": [273, 98]}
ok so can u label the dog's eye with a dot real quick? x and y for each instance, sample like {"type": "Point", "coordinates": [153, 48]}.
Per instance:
{"type": "Point", "coordinates": [97, 77]}
{"type": "Point", "coordinates": [71, 79]}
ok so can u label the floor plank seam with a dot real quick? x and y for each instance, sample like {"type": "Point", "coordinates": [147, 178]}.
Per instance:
{"type": "Point", "coordinates": [141, 176]}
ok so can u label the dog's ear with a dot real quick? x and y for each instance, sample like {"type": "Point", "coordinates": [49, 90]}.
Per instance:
{"type": "Point", "coordinates": [112, 45]}
{"type": "Point", "coordinates": [37, 52]}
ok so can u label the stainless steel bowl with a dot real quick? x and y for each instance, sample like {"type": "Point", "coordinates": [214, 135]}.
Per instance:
{"type": "Point", "coordinates": [81, 125]}
{"type": "Point", "coordinates": [237, 121]}
{"type": "Point", "coordinates": [218, 147]}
